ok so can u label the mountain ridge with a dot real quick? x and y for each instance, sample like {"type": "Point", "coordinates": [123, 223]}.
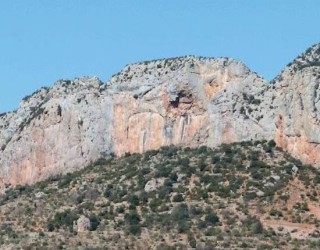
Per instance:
{"type": "Point", "coordinates": [189, 101]}
{"type": "Point", "coordinates": [272, 81]}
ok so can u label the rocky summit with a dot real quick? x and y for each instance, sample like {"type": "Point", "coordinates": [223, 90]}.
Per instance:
{"type": "Point", "coordinates": [186, 101]}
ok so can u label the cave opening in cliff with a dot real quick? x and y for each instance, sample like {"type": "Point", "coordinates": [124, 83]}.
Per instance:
{"type": "Point", "coordinates": [175, 103]}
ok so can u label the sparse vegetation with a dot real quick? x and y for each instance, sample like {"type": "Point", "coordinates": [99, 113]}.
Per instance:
{"type": "Point", "coordinates": [235, 196]}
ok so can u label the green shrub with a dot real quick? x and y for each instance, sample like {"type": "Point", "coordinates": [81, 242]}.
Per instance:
{"type": "Point", "coordinates": [132, 220]}
{"type": "Point", "coordinates": [178, 198]}
{"type": "Point", "coordinates": [134, 229]}
{"type": "Point", "coordinates": [134, 200]}
{"type": "Point", "coordinates": [62, 219]}
{"type": "Point", "coordinates": [94, 222]}
{"type": "Point", "coordinates": [180, 213]}
{"type": "Point", "coordinates": [211, 218]}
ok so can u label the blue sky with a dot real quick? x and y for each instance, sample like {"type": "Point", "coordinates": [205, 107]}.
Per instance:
{"type": "Point", "coordinates": [43, 40]}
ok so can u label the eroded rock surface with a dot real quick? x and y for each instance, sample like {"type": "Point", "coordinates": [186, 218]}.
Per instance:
{"type": "Point", "coordinates": [187, 101]}
{"type": "Point", "coordinates": [82, 225]}
{"type": "Point", "coordinates": [298, 116]}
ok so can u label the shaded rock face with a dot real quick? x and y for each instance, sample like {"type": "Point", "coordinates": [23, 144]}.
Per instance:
{"type": "Point", "coordinates": [187, 101]}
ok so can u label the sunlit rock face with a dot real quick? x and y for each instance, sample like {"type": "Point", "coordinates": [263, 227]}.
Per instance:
{"type": "Point", "coordinates": [186, 101]}
{"type": "Point", "coordinates": [55, 131]}
{"type": "Point", "coordinates": [298, 115]}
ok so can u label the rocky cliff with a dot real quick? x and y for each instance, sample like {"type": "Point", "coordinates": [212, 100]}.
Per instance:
{"type": "Point", "coordinates": [298, 113]}
{"type": "Point", "coordinates": [187, 101]}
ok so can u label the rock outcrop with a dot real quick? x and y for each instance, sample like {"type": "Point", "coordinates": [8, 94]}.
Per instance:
{"type": "Point", "coordinates": [188, 101]}
{"type": "Point", "coordinates": [298, 113]}
{"type": "Point", "coordinates": [82, 225]}
{"type": "Point", "coordinates": [54, 131]}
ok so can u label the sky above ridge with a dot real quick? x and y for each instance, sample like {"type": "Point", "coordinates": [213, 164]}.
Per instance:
{"type": "Point", "coordinates": [44, 41]}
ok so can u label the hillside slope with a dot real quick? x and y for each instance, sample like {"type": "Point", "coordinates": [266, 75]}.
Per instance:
{"type": "Point", "coordinates": [249, 195]}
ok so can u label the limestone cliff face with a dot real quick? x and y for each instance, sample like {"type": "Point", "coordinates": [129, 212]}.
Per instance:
{"type": "Point", "coordinates": [187, 101]}
{"type": "Point", "coordinates": [165, 111]}
{"type": "Point", "coordinates": [55, 131]}
{"type": "Point", "coordinates": [298, 116]}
